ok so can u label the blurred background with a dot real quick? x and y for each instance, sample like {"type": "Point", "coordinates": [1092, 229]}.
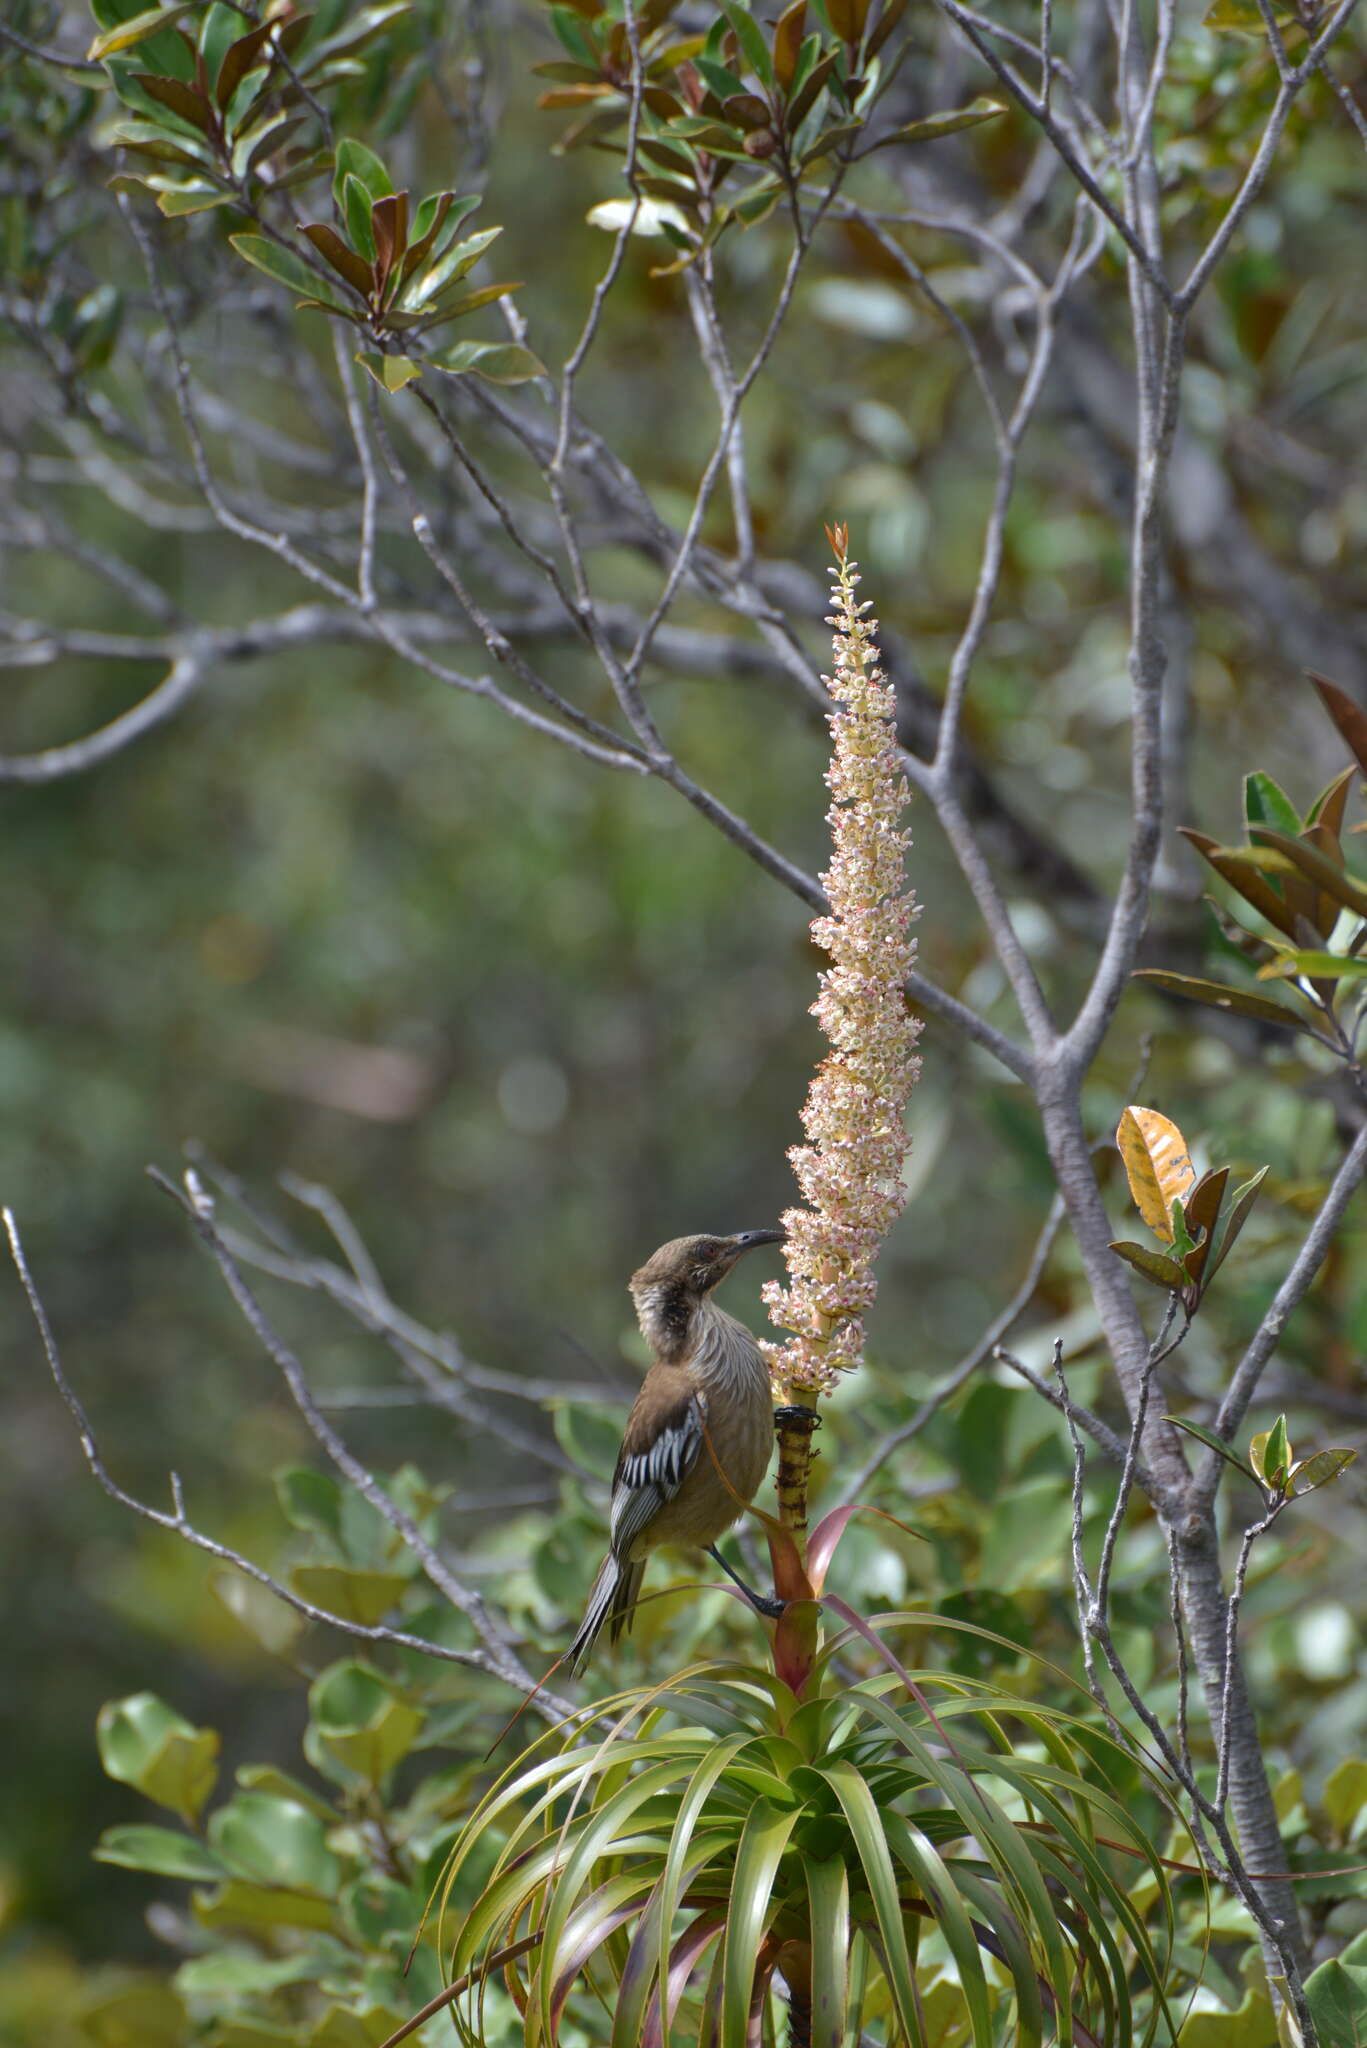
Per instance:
{"type": "Point", "coordinates": [527, 1019]}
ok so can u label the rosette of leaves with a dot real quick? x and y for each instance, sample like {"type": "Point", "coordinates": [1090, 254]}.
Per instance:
{"type": "Point", "coordinates": [957, 1871]}
{"type": "Point", "coordinates": [214, 109]}
{"type": "Point", "coordinates": [394, 273]}
{"type": "Point", "coordinates": [1310, 912]}
{"type": "Point", "coordinates": [1197, 1220]}
{"type": "Point", "coordinates": [771, 97]}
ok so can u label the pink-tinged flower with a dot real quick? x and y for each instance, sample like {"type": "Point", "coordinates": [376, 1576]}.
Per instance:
{"type": "Point", "coordinates": [850, 1171]}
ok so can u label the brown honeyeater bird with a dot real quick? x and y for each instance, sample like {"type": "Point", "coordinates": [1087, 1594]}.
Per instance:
{"type": "Point", "coordinates": [704, 1410]}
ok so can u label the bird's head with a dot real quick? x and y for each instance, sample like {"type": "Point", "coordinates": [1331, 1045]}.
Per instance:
{"type": "Point", "coordinates": [668, 1288]}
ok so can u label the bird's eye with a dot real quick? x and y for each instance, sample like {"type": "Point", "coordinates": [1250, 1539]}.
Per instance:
{"type": "Point", "coordinates": [708, 1250]}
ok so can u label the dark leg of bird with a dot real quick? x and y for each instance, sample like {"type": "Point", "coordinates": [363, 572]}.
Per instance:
{"type": "Point", "coordinates": [761, 1602]}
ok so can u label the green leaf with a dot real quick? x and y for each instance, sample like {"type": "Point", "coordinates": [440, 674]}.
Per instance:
{"type": "Point", "coordinates": [175, 200]}
{"type": "Point", "coordinates": [1337, 1996]}
{"type": "Point", "coordinates": [145, 1743]}
{"type": "Point", "coordinates": [234, 1974]}
{"type": "Point", "coordinates": [356, 209]}
{"type": "Point", "coordinates": [141, 2011]}
{"type": "Point", "coordinates": [1213, 1443]}
{"type": "Point", "coordinates": [310, 1500]}
{"type": "Point", "coordinates": [1266, 803]}
{"type": "Point", "coordinates": [1216, 996]}
{"type": "Point", "coordinates": [354, 160]}
{"type": "Point", "coordinates": [1314, 965]}
{"type": "Point", "coordinates": [161, 1851]}
{"type": "Point", "coordinates": [351, 1591]}
{"type": "Point", "coordinates": [391, 373]}
{"type": "Point", "coordinates": [1320, 1470]}
{"type": "Point", "coordinates": [1252, 2026]}
{"type": "Point", "coordinates": [753, 47]}
{"type": "Point", "coordinates": [238, 1904]}
{"type": "Point", "coordinates": [137, 30]}
{"type": "Point", "coordinates": [935, 125]}
{"type": "Point", "coordinates": [447, 269]}
{"type": "Point", "coordinates": [1345, 1795]}
{"type": "Point", "coordinates": [828, 1894]}
{"type": "Point", "coordinates": [501, 362]}
{"type": "Point", "coordinates": [282, 265]}
{"type": "Point", "coordinates": [271, 1840]}
{"type": "Point", "coordinates": [363, 1720]}
{"type": "Point", "coordinates": [1269, 1453]}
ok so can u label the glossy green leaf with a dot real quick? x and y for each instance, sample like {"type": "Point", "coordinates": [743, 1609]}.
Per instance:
{"type": "Point", "coordinates": [1151, 1265]}
{"type": "Point", "coordinates": [1266, 803]}
{"type": "Point", "coordinates": [145, 1743]}
{"type": "Point", "coordinates": [282, 265]}
{"type": "Point", "coordinates": [1321, 1470]}
{"type": "Point", "coordinates": [933, 126]}
{"type": "Point", "coordinates": [161, 1851]}
{"type": "Point", "coordinates": [861, 1812]}
{"type": "Point", "coordinates": [748, 34]}
{"type": "Point", "coordinates": [1213, 1443]}
{"type": "Point", "coordinates": [454, 264]}
{"type": "Point", "coordinates": [1269, 1454]}
{"type": "Point", "coordinates": [354, 160]}
{"type": "Point", "coordinates": [500, 362]}
{"type": "Point", "coordinates": [391, 373]}
{"type": "Point", "coordinates": [1316, 965]}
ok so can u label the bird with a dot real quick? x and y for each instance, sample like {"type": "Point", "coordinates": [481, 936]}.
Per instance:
{"type": "Point", "coordinates": [704, 1410]}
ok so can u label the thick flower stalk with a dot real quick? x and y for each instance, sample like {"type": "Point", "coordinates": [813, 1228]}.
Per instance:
{"type": "Point", "coordinates": [850, 1171]}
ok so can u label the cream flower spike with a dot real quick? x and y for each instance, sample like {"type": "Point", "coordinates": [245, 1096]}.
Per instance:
{"type": "Point", "coordinates": [850, 1171]}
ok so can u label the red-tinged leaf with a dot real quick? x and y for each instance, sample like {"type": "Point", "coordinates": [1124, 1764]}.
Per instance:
{"type": "Point", "coordinates": [1329, 806]}
{"type": "Point", "coordinates": [1152, 1266]}
{"type": "Point", "coordinates": [871, 1636]}
{"type": "Point", "coordinates": [1233, 866]}
{"type": "Point", "coordinates": [1350, 719]}
{"type": "Point", "coordinates": [807, 95]}
{"type": "Point", "coordinates": [746, 110]}
{"type": "Point", "coordinates": [847, 18]}
{"type": "Point", "coordinates": [887, 21]}
{"type": "Point", "coordinates": [821, 1544]}
{"type": "Point", "coordinates": [797, 1641]}
{"type": "Point", "coordinates": [573, 96]}
{"type": "Point", "coordinates": [684, 1958]}
{"type": "Point", "coordinates": [1320, 1470]}
{"type": "Point", "coordinates": [1213, 1443]}
{"type": "Point", "coordinates": [1316, 867]}
{"type": "Point", "coordinates": [788, 33]}
{"type": "Point", "coordinates": [182, 99]}
{"type": "Point", "coordinates": [600, 1915]}
{"type": "Point", "coordinates": [389, 225]}
{"type": "Point", "coordinates": [1239, 1210]}
{"type": "Point", "coordinates": [343, 260]}
{"type": "Point", "coordinates": [238, 60]}
{"type": "Point", "coordinates": [1216, 996]}
{"type": "Point", "coordinates": [1201, 1211]}
{"type": "Point", "coordinates": [791, 1580]}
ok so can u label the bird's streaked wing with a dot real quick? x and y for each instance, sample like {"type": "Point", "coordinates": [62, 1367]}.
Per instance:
{"type": "Point", "coordinates": [664, 1435]}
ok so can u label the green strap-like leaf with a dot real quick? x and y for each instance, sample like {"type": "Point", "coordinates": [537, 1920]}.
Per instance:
{"type": "Point", "coordinates": [828, 1900]}
{"type": "Point", "coordinates": [866, 1826]}
{"type": "Point", "coordinates": [763, 1840]}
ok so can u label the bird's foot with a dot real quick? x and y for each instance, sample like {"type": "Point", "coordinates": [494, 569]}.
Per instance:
{"type": "Point", "coordinates": [763, 1603]}
{"type": "Point", "coordinates": [795, 1415]}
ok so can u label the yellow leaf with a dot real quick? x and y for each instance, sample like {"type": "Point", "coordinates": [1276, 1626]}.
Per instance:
{"type": "Point", "coordinates": [1157, 1163]}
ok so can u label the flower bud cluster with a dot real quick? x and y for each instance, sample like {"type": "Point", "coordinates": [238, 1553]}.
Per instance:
{"type": "Point", "coordinates": [850, 1170]}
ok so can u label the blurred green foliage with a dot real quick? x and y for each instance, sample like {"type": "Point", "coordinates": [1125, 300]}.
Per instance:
{"type": "Point", "coordinates": [528, 1020]}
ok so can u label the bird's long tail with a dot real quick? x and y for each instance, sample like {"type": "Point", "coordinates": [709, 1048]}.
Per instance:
{"type": "Point", "coordinates": [612, 1599]}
